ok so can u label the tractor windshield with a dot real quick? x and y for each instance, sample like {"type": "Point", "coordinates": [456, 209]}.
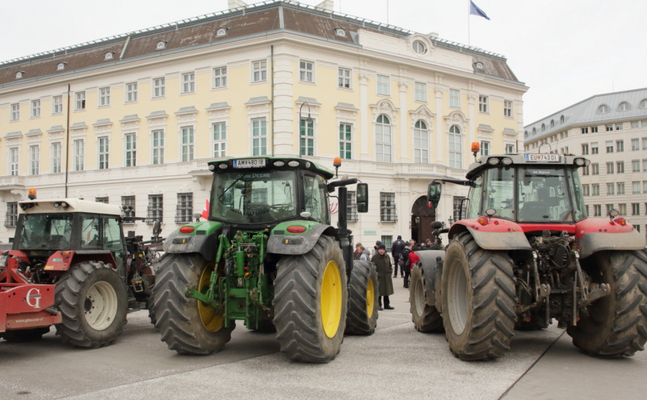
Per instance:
{"type": "Point", "coordinates": [45, 231]}
{"type": "Point", "coordinates": [533, 194]}
{"type": "Point", "coordinates": [253, 196]}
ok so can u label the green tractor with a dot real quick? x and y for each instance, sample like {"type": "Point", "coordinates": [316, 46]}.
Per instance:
{"type": "Point", "coordinates": [268, 256]}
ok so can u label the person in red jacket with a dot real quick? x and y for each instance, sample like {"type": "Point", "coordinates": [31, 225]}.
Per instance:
{"type": "Point", "coordinates": [413, 258]}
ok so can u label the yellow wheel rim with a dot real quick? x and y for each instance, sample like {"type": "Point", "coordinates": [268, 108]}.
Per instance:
{"type": "Point", "coordinates": [370, 297]}
{"type": "Point", "coordinates": [211, 320]}
{"type": "Point", "coordinates": [331, 298]}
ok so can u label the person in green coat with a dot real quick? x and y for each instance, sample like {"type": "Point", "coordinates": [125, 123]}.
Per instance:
{"type": "Point", "coordinates": [384, 271]}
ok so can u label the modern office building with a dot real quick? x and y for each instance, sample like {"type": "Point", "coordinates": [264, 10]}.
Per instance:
{"type": "Point", "coordinates": [611, 131]}
{"type": "Point", "coordinates": [133, 119]}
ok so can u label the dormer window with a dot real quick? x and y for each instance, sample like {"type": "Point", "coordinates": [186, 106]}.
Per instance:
{"type": "Point", "coordinates": [161, 45]}
{"type": "Point", "coordinates": [624, 106]}
{"type": "Point", "coordinates": [221, 32]}
{"type": "Point", "coordinates": [603, 109]}
{"type": "Point", "coordinates": [20, 74]}
{"type": "Point", "coordinates": [479, 65]}
{"type": "Point", "coordinates": [341, 32]}
{"type": "Point", "coordinates": [61, 66]}
{"type": "Point", "coordinates": [419, 47]}
{"type": "Point", "coordinates": [109, 55]}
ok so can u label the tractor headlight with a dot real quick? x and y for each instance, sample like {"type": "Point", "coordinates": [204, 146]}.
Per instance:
{"type": "Point", "coordinates": [493, 161]}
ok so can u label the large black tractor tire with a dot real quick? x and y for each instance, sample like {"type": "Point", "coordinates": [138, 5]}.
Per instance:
{"type": "Point", "coordinates": [149, 307]}
{"type": "Point", "coordinates": [24, 335]}
{"type": "Point", "coordinates": [478, 300]}
{"type": "Point", "coordinates": [363, 288]}
{"type": "Point", "coordinates": [425, 318]}
{"type": "Point", "coordinates": [93, 301]}
{"type": "Point", "coordinates": [310, 303]}
{"type": "Point", "coordinates": [187, 325]}
{"type": "Point", "coordinates": [616, 325]}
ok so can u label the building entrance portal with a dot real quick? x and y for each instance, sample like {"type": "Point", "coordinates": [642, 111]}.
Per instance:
{"type": "Point", "coordinates": [421, 218]}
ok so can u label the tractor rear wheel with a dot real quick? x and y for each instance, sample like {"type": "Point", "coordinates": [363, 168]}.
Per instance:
{"type": "Point", "coordinates": [615, 325]}
{"type": "Point", "coordinates": [478, 300]}
{"type": "Point", "coordinates": [362, 313]}
{"type": "Point", "coordinates": [187, 325]}
{"type": "Point", "coordinates": [310, 303]}
{"type": "Point", "coordinates": [93, 301]}
{"type": "Point", "coordinates": [425, 318]}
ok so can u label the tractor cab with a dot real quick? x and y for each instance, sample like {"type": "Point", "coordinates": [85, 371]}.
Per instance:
{"type": "Point", "coordinates": [524, 188]}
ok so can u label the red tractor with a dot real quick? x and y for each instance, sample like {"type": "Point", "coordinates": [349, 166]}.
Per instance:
{"type": "Point", "coordinates": [524, 252]}
{"type": "Point", "coordinates": [70, 266]}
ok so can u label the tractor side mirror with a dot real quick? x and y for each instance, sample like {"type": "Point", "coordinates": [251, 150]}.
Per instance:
{"type": "Point", "coordinates": [436, 225]}
{"type": "Point", "coordinates": [157, 229]}
{"type": "Point", "coordinates": [362, 197]}
{"type": "Point", "coordinates": [433, 193]}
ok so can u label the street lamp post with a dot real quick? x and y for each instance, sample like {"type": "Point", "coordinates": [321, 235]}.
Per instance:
{"type": "Point", "coordinates": [309, 119]}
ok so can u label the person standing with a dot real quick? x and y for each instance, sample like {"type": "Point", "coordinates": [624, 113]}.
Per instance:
{"type": "Point", "coordinates": [366, 255]}
{"type": "Point", "coordinates": [377, 244]}
{"type": "Point", "coordinates": [413, 258]}
{"type": "Point", "coordinates": [396, 251]}
{"type": "Point", "coordinates": [384, 282]}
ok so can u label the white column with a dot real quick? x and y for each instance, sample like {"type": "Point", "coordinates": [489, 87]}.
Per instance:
{"type": "Point", "coordinates": [363, 116]}
{"type": "Point", "coordinates": [404, 128]}
{"type": "Point", "coordinates": [440, 132]}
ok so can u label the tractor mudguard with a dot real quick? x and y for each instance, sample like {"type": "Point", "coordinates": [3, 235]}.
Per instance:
{"type": "Point", "coordinates": [597, 234]}
{"type": "Point", "coordinates": [300, 243]}
{"type": "Point", "coordinates": [428, 259]}
{"type": "Point", "coordinates": [203, 239]}
{"type": "Point", "coordinates": [498, 234]}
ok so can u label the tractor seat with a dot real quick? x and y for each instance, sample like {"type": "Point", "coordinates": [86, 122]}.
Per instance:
{"type": "Point", "coordinates": [534, 211]}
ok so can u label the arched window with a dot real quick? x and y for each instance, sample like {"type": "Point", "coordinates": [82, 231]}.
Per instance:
{"type": "Point", "coordinates": [421, 143]}
{"type": "Point", "coordinates": [543, 127]}
{"type": "Point", "coordinates": [603, 109]}
{"type": "Point", "coordinates": [624, 106]}
{"type": "Point", "coordinates": [552, 123]}
{"type": "Point", "coordinates": [643, 104]}
{"type": "Point", "coordinates": [561, 119]}
{"type": "Point", "coordinates": [383, 139]}
{"type": "Point", "coordinates": [534, 131]}
{"type": "Point", "coordinates": [455, 147]}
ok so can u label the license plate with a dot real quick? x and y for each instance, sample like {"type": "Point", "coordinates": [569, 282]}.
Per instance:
{"type": "Point", "coordinates": [250, 163]}
{"type": "Point", "coordinates": [542, 157]}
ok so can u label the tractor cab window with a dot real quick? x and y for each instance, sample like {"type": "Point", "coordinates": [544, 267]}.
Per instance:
{"type": "Point", "coordinates": [475, 195]}
{"type": "Point", "coordinates": [251, 197]}
{"type": "Point", "coordinates": [499, 192]}
{"type": "Point", "coordinates": [45, 231]}
{"type": "Point", "coordinates": [543, 195]}
{"type": "Point", "coordinates": [90, 236]}
{"type": "Point", "coordinates": [112, 234]}
{"type": "Point", "coordinates": [315, 197]}
{"type": "Point", "coordinates": [579, 209]}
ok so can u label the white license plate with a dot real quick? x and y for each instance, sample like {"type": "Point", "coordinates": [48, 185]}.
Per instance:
{"type": "Point", "coordinates": [250, 163]}
{"type": "Point", "coordinates": [542, 157]}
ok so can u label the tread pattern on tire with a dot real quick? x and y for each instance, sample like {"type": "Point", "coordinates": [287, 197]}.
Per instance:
{"type": "Point", "coordinates": [493, 304]}
{"type": "Point", "coordinates": [430, 320]}
{"type": "Point", "coordinates": [358, 321]}
{"type": "Point", "coordinates": [626, 331]}
{"type": "Point", "coordinates": [178, 319]}
{"type": "Point", "coordinates": [296, 313]}
{"type": "Point", "coordinates": [69, 301]}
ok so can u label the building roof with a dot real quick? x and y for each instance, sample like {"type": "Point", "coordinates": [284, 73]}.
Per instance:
{"type": "Point", "coordinates": [619, 106]}
{"type": "Point", "coordinates": [213, 29]}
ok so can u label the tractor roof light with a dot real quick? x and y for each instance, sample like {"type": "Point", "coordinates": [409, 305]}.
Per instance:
{"type": "Point", "coordinates": [65, 205]}
{"type": "Point", "coordinates": [493, 161]}
{"type": "Point", "coordinates": [223, 166]}
{"type": "Point", "coordinates": [293, 163]}
{"type": "Point", "coordinates": [506, 161]}
{"type": "Point", "coordinates": [476, 147]}
{"type": "Point", "coordinates": [279, 163]}
{"type": "Point", "coordinates": [32, 194]}
{"type": "Point", "coordinates": [579, 162]}
{"type": "Point", "coordinates": [620, 221]}
{"type": "Point", "coordinates": [212, 167]}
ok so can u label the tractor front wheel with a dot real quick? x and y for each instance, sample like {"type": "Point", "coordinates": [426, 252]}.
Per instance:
{"type": "Point", "coordinates": [93, 301]}
{"type": "Point", "coordinates": [615, 325]}
{"type": "Point", "coordinates": [362, 310]}
{"type": "Point", "coordinates": [310, 303]}
{"type": "Point", "coordinates": [187, 325]}
{"type": "Point", "coordinates": [478, 300]}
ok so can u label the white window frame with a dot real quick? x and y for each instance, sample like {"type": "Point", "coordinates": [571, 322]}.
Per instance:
{"type": "Point", "coordinates": [131, 92]}
{"type": "Point", "coordinates": [80, 101]}
{"type": "Point", "coordinates": [15, 112]}
{"type": "Point", "coordinates": [484, 104]}
{"type": "Point", "coordinates": [421, 142]}
{"type": "Point", "coordinates": [307, 137]}
{"type": "Point", "coordinates": [56, 157]}
{"type": "Point", "coordinates": [259, 136]}
{"type": "Point", "coordinates": [188, 83]}
{"type": "Point", "coordinates": [383, 139]}
{"type": "Point", "coordinates": [420, 91]}
{"type": "Point", "coordinates": [57, 105]}
{"type": "Point", "coordinates": [157, 146]}
{"type": "Point", "coordinates": [454, 98]}
{"type": "Point", "coordinates": [130, 149]}
{"type": "Point", "coordinates": [344, 78]}
{"type": "Point", "coordinates": [187, 143]}
{"type": "Point", "coordinates": [34, 159]}
{"type": "Point", "coordinates": [79, 154]}
{"type": "Point", "coordinates": [159, 87]}
{"type": "Point", "coordinates": [455, 144]}
{"type": "Point", "coordinates": [104, 96]}
{"type": "Point", "coordinates": [35, 109]}
{"type": "Point", "coordinates": [103, 152]}
{"type": "Point", "coordinates": [383, 85]}
{"type": "Point", "coordinates": [345, 142]}
{"type": "Point", "coordinates": [14, 161]}
{"type": "Point", "coordinates": [184, 208]}
{"type": "Point", "coordinates": [220, 77]}
{"type": "Point", "coordinates": [306, 71]}
{"type": "Point", "coordinates": [219, 139]}
{"type": "Point", "coordinates": [485, 147]}
{"type": "Point", "coordinates": [259, 71]}
{"type": "Point", "coordinates": [507, 108]}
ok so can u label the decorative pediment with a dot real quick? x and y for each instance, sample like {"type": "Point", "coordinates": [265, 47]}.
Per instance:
{"type": "Point", "coordinates": [422, 113]}
{"type": "Point", "coordinates": [385, 107]}
{"type": "Point", "coordinates": [456, 118]}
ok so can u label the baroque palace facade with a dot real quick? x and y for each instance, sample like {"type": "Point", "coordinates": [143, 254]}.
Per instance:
{"type": "Point", "coordinates": [134, 119]}
{"type": "Point", "coordinates": [611, 131]}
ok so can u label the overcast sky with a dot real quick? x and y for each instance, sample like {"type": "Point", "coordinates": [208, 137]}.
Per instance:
{"type": "Point", "coordinates": [564, 50]}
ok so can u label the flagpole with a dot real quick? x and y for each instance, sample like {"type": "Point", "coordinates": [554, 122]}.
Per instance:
{"type": "Point", "coordinates": [469, 9]}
